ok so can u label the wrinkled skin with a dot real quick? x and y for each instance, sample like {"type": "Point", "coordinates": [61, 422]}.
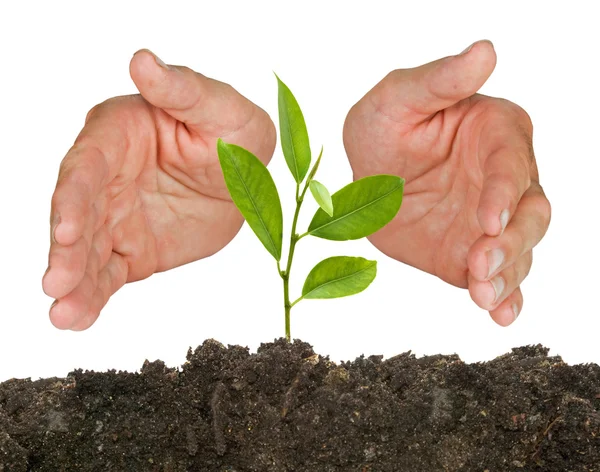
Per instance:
{"type": "Point", "coordinates": [141, 190]}
{"type": "Point", "coordinates": [466, 158]}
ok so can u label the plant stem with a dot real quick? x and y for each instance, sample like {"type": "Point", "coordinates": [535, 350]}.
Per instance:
{"type": "Point", "coordinates": [302, 235]}
{"type": "Point", "coordinates": [288, 307]}
{"type": "Point", "coordinates": [285, 275]}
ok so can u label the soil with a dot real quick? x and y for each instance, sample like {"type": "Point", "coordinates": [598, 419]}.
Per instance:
{"type": "Point", "coordinates": [286, 408]}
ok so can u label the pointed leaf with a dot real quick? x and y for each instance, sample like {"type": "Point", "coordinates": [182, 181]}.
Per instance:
{"type": "Point", "coordinates": [254, 193]}
{"type": "Point", "coordinates": [315, 167]}
{"type": "Point", "coordinates": [339, 276]}
{"type": "Point", "coordinates": [322, 196]}
{"type": "Point", "coordinates": [360, 208]}
{"type": "Point", "coordinates": [294, 135]}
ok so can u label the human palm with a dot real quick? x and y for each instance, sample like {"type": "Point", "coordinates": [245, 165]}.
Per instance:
{"type": "Point", "coordinates": [141, 191]}
{"type": "Point", "coordinates": [469, 169]}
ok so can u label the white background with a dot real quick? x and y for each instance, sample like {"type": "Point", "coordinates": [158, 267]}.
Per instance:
{"type": "Point", "coordinates": [59, 59]}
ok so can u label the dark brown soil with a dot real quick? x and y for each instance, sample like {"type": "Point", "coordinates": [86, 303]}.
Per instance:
{"type": "Point", "coordinates": [288, 409]}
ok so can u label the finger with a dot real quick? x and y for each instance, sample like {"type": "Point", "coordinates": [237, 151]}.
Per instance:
{"type": "Point", "coordinates": [508, 311]}
{"type": "Point", "coordinates": [490, 294]}
{"type": "Point", "coordinates": [411, 96]}
{"type": "Point", "coordinates": [133, 240]}
{"type": "Point", "coordinates": [73, 306]}
{"type": "Point", "coordinates": [506, 177]}
{"type": "Point", "coordinates": [206, 106]}
{"type": "Point", "coordinates": [110, 279]}
{"type": "Point", "coordinates": [83, 173]}
{"type": "Point", "coordinates": [67, 264]}
{"type": "Point", "coordinates": [101, 207]}
{"type": "Point", "coordinates": [489, 255]}
{"type": "Point", "coordinates": [103, 245]}
{"type": "Point", "coordinates": [114, 129]}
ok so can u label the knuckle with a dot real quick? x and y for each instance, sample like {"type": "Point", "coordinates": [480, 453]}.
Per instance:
{"type": "Point", "coordinates": [387, 88]}
{"type": "Point", "coordinates": [499, 108]}
{"type": "Point", "coordinates": [547, 210]}
{"type": "Point", "coordinates": [66, 167]}
{"type": "Point", "coordinates": [516, 118]}
{"type": "Point", "coordinates": [394, 76]}
{"type": "Point", "coordinates": [107, 104]}
{"type": "Point", "coordinates": [544, 209]}
{"type": "Point", "coordinates": [522, 117]}
{"type": "Point", "coordinates": [526, 120]}
{"type": "Point", "coordinates": [528, 263]}
{"type": "Point", "coordinates": [91, 113]}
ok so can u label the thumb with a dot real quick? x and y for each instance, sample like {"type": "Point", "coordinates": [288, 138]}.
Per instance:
{"type": "Point", "coordinates": [207, 107]}
{"type": "Point", "coordinates": [411, 96]}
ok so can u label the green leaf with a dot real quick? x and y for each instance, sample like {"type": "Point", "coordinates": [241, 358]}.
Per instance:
{"type": "Point", "coordinates": [294, 135]}
{"type": "Point", "coordinates": [315, 167]}
{"type": "Point", "coordinates": [254, 193]}
{"type": "Point", "coordinates": [322, 196]}
{"type": "Point", "coordinates": [339, 276]}
{"type": "Point", "coordinates": [360, 208]}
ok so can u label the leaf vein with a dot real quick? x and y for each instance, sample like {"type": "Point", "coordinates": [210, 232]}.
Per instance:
{"type": "Point", "coordinates": [290, 135]}
{"type": "Point", "coordinates": [253, 202]}
{"type": "Point", "coordinates": [355, 210]}
{"type": "Point", "coordinates": [337, 280]}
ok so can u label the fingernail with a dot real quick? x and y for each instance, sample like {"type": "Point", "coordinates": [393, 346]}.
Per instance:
{"type": "Point", "coordinates": [495, 259]}
{"type": "Point", "coordinates": [515, 309]}
{"type": "Point", "coordinates": [160, 62]}
{"type": "Point", "coordinates": [55, 223]}
{"type": "Point", "coordinates": [468, 49]}
{"type": "Point", "coordinates": [471, 46]}
{"type": "Point", "coordinates": [498, 284]}
{"type": "Point", "coordinates": [53, 304]}
{"type": "Point", "coordinates": [504, 219]}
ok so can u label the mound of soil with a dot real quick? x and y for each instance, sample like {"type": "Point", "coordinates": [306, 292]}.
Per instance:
{"type": "Point", "coordinates": [286, 408]}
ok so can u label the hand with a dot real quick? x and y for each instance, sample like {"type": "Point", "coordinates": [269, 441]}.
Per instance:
{"type": "Point", "coordinates": [473, 207]}
{"type": "Point", "coordinates": [141, 190]}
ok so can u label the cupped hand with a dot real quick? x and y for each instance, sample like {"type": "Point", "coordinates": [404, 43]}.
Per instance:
{"type": "Point", "coordinates": [141, 190]}
{"type": "Point", "coordinates": [473, 207]}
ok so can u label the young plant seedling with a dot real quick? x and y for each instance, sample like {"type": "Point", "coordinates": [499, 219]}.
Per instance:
{"type": "Point", "coordinates": [356, 211]}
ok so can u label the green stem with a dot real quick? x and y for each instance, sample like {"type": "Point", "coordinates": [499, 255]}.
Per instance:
{"type": "Point", "coordinates": [302, 235]}
{"type": "Point", "coordinates": [285, 275]}
{"type": "Point", "coordinates": [297, 300]}
{"type": "Point", "coordinates": [288, 307]}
